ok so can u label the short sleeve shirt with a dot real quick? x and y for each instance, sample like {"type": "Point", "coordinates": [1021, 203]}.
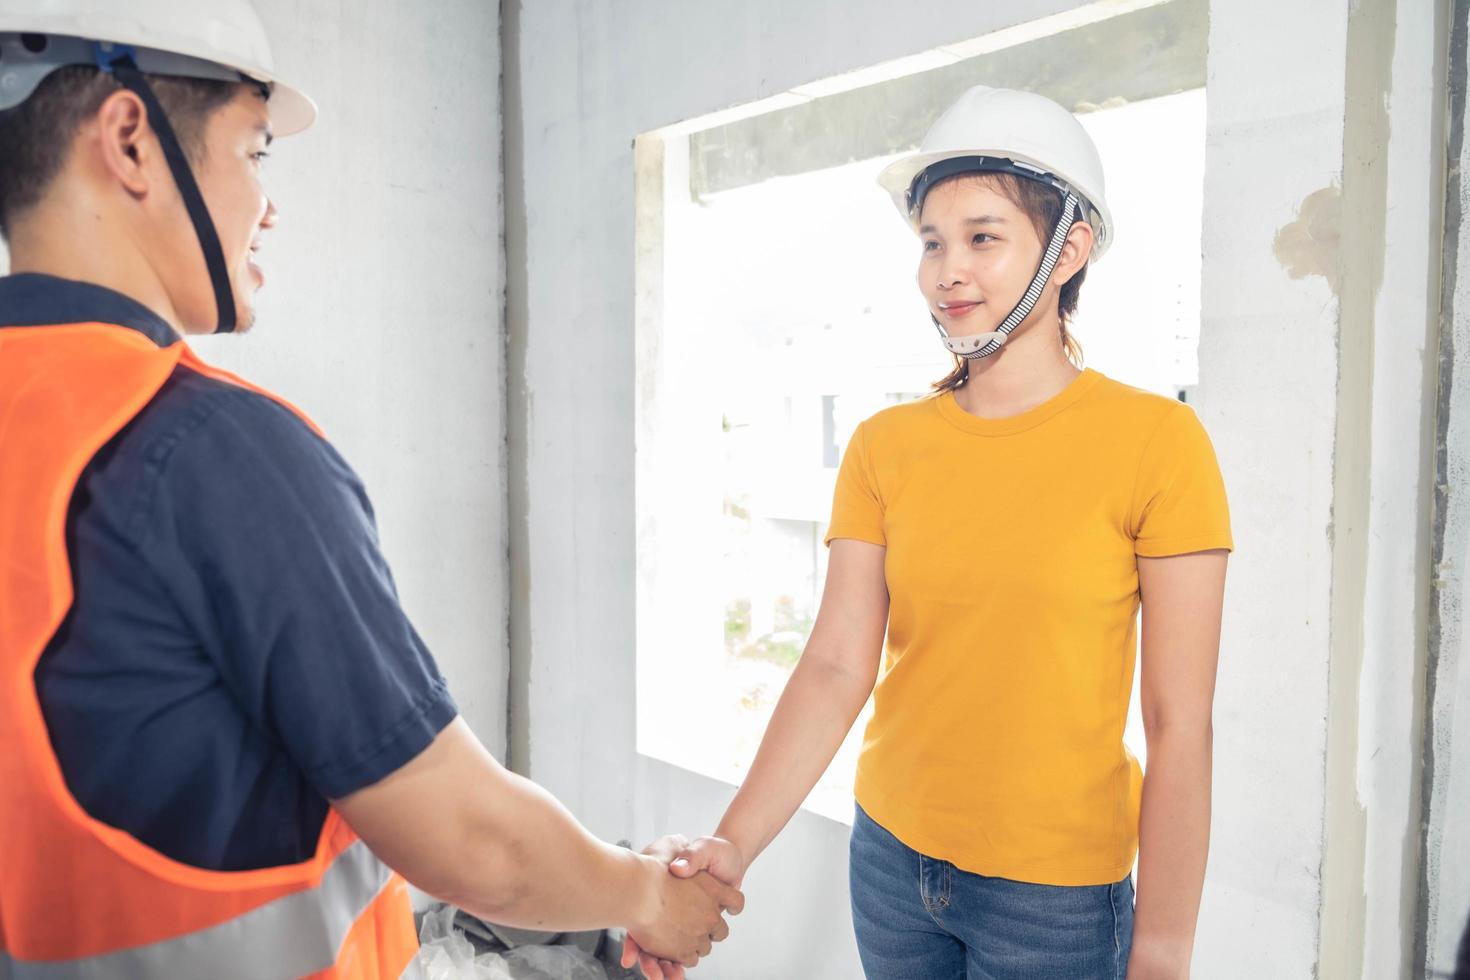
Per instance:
{"type": "Point", "coordinates": [1012, 544]}
{"type": "Point", "coordinates": [236, 654]}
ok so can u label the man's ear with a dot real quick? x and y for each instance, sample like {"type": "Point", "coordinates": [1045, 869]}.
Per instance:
{"type": "Point", "coordinates": [126, 141]}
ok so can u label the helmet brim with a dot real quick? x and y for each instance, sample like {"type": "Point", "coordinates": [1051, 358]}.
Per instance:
{"type": "Point", "coordinates": [292, 111]}
{"type": "Point", "coordinates": [898, 177]}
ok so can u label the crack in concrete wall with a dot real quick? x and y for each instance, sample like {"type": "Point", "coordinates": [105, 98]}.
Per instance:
{"type": "Point", "coordinates": [518, 396]}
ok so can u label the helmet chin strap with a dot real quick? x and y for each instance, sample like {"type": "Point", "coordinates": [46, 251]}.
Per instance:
{"type": "Point", "coordinates": [119, 61]}
{"type": "Point", "coordinates": [975, 346]}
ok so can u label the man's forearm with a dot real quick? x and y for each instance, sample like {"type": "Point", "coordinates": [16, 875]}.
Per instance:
{"type": "Point", "coordinates": [1174, 841]}
{"type": "Point", "coordinates": [815, 712]}
{"type": "Point", "coordinates": [552, 874]}
{"type": "Point", "coordinates": [464, 829]}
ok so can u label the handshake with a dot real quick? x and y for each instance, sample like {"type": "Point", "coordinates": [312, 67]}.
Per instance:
{"type": "Point", "coordinates": [698, 883]}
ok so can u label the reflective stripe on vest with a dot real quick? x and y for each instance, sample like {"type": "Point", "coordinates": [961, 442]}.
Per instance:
{"type": "Point", "coordinates": [290, 937]}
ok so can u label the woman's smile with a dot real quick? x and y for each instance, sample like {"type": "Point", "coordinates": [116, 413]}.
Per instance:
{"type": "Point", "coordinates": [957, 309]}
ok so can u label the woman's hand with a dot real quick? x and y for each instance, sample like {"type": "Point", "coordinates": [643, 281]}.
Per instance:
{"type": "Point", "coordinates": [719, 857]}
{"type": "Point", "coordinates": [713, 854]}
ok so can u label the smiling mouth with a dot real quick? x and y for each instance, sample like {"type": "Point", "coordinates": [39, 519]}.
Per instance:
{"type": "Point", "coordinates": [254, 266]}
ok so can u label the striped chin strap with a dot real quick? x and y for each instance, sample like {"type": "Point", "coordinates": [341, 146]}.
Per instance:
{"type": "Point", "coordinates": [981, 345]}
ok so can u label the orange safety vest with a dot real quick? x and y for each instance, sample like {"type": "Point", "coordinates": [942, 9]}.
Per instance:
{"type": "Point", "coordinates": [79, 898]}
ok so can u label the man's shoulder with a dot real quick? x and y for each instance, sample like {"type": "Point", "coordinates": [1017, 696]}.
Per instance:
{"type": "Point", "coordinates": [216, 423]}
{"type": "Point", "coordinates": [221, 447]}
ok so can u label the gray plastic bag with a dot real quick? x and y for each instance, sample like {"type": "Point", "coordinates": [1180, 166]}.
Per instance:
{"type": "Point", "coordinates": [553, 963]}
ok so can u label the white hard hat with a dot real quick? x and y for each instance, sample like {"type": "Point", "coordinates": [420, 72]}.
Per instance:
{"type": "Point", "coordinates": [1010, 132]}
{"type": "Point", "coordinates": [192, 38]}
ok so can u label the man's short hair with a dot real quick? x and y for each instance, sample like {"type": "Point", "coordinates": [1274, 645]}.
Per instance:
{"type": "Point", "coordinates": [36, 136]}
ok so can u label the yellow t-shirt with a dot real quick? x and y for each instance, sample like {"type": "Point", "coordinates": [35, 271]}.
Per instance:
{"type": "Point", "coordinates": [996, 741]}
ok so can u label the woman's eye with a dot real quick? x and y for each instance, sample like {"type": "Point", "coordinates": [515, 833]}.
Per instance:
{"type": "Point", "coordinates": [981, 238]}
{"type": "Point", "coordinates": [931, 246]}
{"type": "Point", "coordinates": [259, 156]}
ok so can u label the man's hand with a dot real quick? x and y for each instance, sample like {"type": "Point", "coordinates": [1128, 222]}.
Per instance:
{"type": "Point", "coordinates": [718, 857]}
{"type": "Point", "coordinates": [664, 849]}
{"type": "Point", "coordinates": [682, 917]}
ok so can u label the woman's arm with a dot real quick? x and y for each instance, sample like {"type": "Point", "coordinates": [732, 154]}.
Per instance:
{"type": "Point", "coordinates": [825, 694]}
{"type": "Point", "coordinates": [1183, 597]}
{"type": "Point", "coordinates": [827, 691]}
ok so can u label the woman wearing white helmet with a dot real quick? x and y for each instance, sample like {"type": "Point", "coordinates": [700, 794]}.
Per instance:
{"type": "Point", "coordinates": [1003, 533]}
{"type": "Point", "coordinates": [219, 731]}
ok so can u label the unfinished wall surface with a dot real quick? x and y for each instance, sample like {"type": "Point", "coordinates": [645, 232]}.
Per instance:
{"type": "Point", "coordinates": [1393, 202]}
{"type": "Point", "coordinates": [1316, 376]}
{"type": "Point", "coordinates": [1321, 703]}
{"type": "Point", "coordinates": [1446, 880]}
{"type": "Point", "coordinates": [1267, 353]}
{"type": "Point", "coordinates": [381, 316]}
{"type": "Point", "coordinates": [1380, 246]}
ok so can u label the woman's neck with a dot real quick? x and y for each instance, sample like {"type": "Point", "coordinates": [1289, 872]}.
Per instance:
{"type": "Point", "coordinates": [1016, 379]}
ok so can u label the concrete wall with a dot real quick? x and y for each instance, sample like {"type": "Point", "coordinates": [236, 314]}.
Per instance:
{"type": "Point", "coordinates": [1371, 239]}
{"type": "Point", "coordinates": [1321, 224]}
{"type": "Point", "coordinates": [381, 316]}
{"type": "Point", "coordinates": [1267, 353]}
{"type": "Point", "coordinates": [1445, 914]}
{"type": "Point", "coordinates": [1393, 202]}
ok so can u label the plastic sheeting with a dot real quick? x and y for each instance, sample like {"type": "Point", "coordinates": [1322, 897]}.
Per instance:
{"type": "Point", "coordinates": [448, 954]}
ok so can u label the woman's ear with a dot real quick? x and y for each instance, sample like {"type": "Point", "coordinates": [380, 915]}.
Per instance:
{"type": "Point", "coordinates": [1076, 250]}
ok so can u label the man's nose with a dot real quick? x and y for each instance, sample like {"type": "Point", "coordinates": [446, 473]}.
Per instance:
{"type": "Point", "coordinates": [271, 215]}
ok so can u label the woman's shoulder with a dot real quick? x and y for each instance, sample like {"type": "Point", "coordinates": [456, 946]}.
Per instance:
{"type": "Point", "coordinates": [901, 418]}
{"type": "Point", "coordinates": [1117, 402]}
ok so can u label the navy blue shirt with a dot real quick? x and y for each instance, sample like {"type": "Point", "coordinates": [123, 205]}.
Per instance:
{"type": "Point", "coordinates": [236, 654]}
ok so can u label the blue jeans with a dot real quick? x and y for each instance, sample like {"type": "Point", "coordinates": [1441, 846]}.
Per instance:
{"type": "Point", "coordinates": [920, 918]}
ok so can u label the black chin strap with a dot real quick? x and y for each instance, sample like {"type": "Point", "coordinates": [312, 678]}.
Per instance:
{"type": "Point", "coordinates": [125, 70]}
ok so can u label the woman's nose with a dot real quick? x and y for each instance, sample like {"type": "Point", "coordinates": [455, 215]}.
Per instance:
{"type": "Point", "coordinates": [271, 215]}
{"type": "Point", "coordinates": [952, 272]}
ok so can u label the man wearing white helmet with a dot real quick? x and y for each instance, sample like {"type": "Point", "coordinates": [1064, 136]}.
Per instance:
{"type": "Point", "coordinates": [222, 744]}
{"type": "Point", "coordinates": [1003, 534]}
